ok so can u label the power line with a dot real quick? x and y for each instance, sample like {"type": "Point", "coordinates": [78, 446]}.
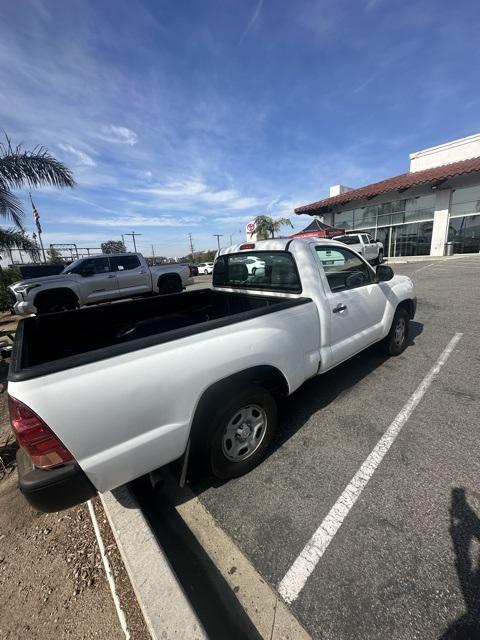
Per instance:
{"type": "Point", "coordinates": [133, 234]}
{"type": "Point", "coordinates": [192, 250]}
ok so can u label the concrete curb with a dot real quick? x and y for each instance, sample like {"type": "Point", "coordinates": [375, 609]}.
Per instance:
{"type": "Point", "coordinates": [167, 611]}
{"type": "Point", "coordinates": [408, 259]}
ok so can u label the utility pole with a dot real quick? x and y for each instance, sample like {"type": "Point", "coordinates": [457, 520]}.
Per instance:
{"type": "Point", "coordinates": [218, 236]}
{"type": "Point", "coordinates": [123, 241]}
{"type": "Point", "coordinates": [133, 234]}
{"type": "Point", "coordinates": [153, 255]}
{"type": "Point", "coordinates": [192, 250]}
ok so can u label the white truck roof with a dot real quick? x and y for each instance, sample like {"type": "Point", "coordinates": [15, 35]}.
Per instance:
{"type": "Point", "coordinates": [276, 244]}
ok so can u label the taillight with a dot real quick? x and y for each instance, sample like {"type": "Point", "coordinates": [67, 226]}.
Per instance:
{"type": "Point", "coordinates": [248, 245]}
{"type": "Point", "coordinates": [41, 445]}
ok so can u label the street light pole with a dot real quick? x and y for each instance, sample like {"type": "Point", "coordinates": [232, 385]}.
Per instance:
{"type": "Point", "coordinates": [218, 236]}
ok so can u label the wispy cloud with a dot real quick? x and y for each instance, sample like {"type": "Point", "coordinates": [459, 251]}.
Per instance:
{"type": "Point", "coordinates": [253, 19]}
{"type": "Point", "coordinates": [190, 192]}
{"type": "Point", "coordinates": [372, 4]}
{"type": "Point", "coordinates": [81, 157]}
{"type": "Point", "coordinates": [119, 135]}
{"type": "Point", "coordinates": [134, 220]}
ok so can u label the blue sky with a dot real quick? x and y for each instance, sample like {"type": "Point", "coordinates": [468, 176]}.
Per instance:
{"type": "Point", "coordinates": [195, 116]}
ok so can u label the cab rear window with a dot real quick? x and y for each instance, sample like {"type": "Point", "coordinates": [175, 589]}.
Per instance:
{"type": "Point", "coordinates": [271, 270]}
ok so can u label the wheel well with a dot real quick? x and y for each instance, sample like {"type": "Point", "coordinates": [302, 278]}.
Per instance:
{"type": "Point", "coordinates": [169, 276]}
{"type": "Point", "coordinates": [265, 376]}
{"type": "Point", "coordinates": [51, 293]}
{"type": "Point", "coordinates": [408, 306]}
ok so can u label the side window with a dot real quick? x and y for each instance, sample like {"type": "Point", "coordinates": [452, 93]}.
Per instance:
{"type": "Point", "coordinates": [93, 266]}
{"type": "Point", "coordinates": [344, 270]}
{"type": "Point", "coordinates": [370, 239]}
{"type": "Point", "coordinates": [124, 263]}
{"type": "Point", "coordinates": [365, 238]}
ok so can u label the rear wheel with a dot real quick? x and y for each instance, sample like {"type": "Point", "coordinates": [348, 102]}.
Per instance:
{"type": "Point", "coordinates": [206, 272]}
{"type": "Point", "coordinates": [55, 303]}
{"type": "Point", "coordinates": [169, 285]}
{"type": "Point", "coordinates": [396, 341]}
{"type": "Point", "coordinates": [240, 432]}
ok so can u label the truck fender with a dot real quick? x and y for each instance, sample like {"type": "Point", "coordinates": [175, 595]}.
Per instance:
{"type": "Point", "coordinates": [265, 376]}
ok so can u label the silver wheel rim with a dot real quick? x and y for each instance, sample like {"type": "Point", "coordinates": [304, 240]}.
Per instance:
{"type": "Point", "coordinates": [244, 433]}
{"type": "Point", "coordinates": [399, 333]}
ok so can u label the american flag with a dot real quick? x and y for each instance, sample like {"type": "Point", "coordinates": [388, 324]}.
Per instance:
{"type": "Point", "coordinates": [36, 216]}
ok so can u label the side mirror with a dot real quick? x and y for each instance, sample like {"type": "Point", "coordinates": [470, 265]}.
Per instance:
{"type": "Point", "coordinates": [384, 273]}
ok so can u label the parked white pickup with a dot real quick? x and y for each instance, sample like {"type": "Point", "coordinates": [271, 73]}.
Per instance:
{"type": "Point", "coordinates": [99, 278]}
{"type": "Point", "coordinates": [106, 394]}
{"type": "Point", "coordinates": [372, 250]}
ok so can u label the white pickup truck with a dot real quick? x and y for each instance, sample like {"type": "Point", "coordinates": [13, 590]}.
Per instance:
{"type": "Point", "coordinates": [99, 278]}
{"type": "Point", "coordinates": [103, 395]}
{"type": "Point", "coordinates": [372, 250]}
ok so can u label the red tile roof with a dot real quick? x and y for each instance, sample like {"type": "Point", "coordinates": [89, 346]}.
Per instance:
{"type": "Point", "coordinates": [402, 182]}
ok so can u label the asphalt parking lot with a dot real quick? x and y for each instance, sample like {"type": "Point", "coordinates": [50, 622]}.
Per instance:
{"type": "Point", "coordinates": [405, 561]}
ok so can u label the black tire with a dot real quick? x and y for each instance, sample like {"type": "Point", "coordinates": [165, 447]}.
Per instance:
{"type": "Point", "coordinates": [396, 341]}
{"type": "Point", "coordinates": [206, 272]}
{"type": "Point", "coordinates": [169, 285]}
{"type": "Point", "coordinates": [55, 304]}
{"type": "Point", "coordinates": [380, 257]}
{"type": "Point", "coordinates": [249, 398]}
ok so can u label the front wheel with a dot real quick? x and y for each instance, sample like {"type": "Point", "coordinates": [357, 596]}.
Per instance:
{"type": "Point", "coordinates": [206, 272]}
{"type": "Point", "coordinates": [55, 304]}
{"type": "Point", "coordinates": [396, 341]}
{"type": "Point", "coordinates": [241, 432]}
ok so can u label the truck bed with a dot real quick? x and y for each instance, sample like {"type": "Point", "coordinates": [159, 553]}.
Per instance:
{"type": "Point", "coordinates": [54, 342]}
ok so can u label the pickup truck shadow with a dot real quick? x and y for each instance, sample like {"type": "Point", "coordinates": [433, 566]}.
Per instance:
{"type": "Point", "coordinates": [318, 393]}
{"type": "Point", "coordinates": [464, 530]}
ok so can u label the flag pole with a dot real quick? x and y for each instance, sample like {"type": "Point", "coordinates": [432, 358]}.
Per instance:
{"type": "Point", "coordinates": [36, 217]}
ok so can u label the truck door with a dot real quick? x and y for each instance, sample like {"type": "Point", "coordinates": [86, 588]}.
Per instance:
{"type": "Point", "coordinates": [96, 280]}
{"type": "Point", "coordinates": [133, 277]}
{"type": "Point", "coordinates": [357, 304]}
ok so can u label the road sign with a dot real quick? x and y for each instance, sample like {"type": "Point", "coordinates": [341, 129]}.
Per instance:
{"type": "Point", "coordinates": [250, 231]}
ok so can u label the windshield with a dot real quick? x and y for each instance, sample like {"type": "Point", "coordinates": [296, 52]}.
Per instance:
{"type": "Point", "coordinates": [347, 239]}
{"type": "Point", "coordinates": [272, 270]}
{"type": "Point", "coordinates": [72, 266]}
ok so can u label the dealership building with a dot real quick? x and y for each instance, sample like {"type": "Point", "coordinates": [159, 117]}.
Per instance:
{"type": "Point", "coordinates": [419, 212]}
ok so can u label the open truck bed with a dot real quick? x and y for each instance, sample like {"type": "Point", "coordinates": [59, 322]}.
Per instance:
{"type": "Point", "coordinates": [59, 341]}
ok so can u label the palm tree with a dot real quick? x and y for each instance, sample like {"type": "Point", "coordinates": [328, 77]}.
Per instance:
{"type": "Point", "coordinates": [20, 169]}
{"type": "Point", "coordinates": [266, 227]}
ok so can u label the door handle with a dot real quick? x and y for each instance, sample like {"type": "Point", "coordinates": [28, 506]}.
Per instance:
{"type": "Point", "coordinates": [112, 276]}
{"type": "Point", "coordinates": [339, 307]}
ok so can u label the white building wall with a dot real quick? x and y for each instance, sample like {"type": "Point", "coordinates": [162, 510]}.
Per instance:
{"type": "Point", "coordinates": [453, 151]}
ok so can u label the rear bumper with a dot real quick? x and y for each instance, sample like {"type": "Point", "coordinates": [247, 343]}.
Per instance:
{"type": "Point", "coordinates": [52, 489]}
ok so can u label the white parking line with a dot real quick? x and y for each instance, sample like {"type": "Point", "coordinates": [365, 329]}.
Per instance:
{"type": "Point", "coordinates": [304, 565]}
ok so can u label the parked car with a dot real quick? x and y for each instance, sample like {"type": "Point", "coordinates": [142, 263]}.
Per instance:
{"type": "Point", "coordinates": [372, 250]}
{"type": "Point", "coordinates": [99, 278]}
{"type": "Point", "coordinates": [106, 394]}
{"type": "Point", "coordinates": [205, 267]}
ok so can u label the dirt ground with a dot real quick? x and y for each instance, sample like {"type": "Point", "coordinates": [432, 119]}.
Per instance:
{"type": "Point", "coordinates": [52, 580]}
